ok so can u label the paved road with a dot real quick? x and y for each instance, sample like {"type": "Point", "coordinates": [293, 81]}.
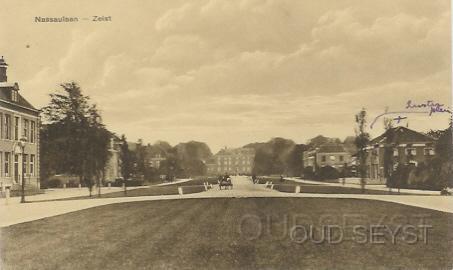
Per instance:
{"type": "Point", "coordinates": [62, 193]}
{"type": "Point", "coordinates": [18, 213]}
{"type": "Point", "coordinates": [242, 187]}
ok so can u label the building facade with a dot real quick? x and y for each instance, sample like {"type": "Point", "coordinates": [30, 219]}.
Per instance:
{"type": "Point", "coordinates": [156, 160]}
{"type": "Point", "coordinates": [19, 123]}
{"type": "Point", "coordinates": [232, 161]}
{"type": "Point", "coordinates": [113, 167]}
{"type": "Point", "coordinates": [329, 154]}
{"type": "Point", "coordinates": [407, 147]}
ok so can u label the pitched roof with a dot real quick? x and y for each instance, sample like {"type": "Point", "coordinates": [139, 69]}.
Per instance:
{"type": "Point", "coordinates": [236, 151]}
{"type": "Point", "coordinates": [331, 148]}
{"type": "Point", "coordinates": [403, 135]}
{"type": "Point", "coordinates": [5, 96]}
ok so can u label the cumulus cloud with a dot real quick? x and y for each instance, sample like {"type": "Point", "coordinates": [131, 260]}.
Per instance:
{"type": "Point", "coordinates": [194, 69]}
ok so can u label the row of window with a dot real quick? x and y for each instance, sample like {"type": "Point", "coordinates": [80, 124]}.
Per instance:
{"type": "Point", "coordinates": [332, 158]}
{"type": "Point", "coordinates": [243, 162]}
{"type": "Point", "coordinates": [413, 152]}
{"type": "Point", "coordinates": [221, 169]}
{"type": "Point", "coordinates": [229, 159]}
{"type": "Point", "coordinates": [9, 128]}
{"type": "Point", "coordinates": [28, 164]}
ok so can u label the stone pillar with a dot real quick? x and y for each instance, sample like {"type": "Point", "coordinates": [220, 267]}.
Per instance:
{"type": "Point", "coordinates": [109, 185]}
{"type": "Point", "coordinates": [64, 185]}
{"type": "Point", "coordinates": [297, 189]}
{"type": "Point", "coordinates": [180, 191]}
{"type": "Point", "coordinates": [80, 186]}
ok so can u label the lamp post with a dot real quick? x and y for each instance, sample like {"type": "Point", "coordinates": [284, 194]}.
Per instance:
{"type": "Point", "coordinates": [21, 144]}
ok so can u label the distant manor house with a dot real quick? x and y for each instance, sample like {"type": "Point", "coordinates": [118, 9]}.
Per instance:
{"type": "Point", "coordinates": [232, 161]}
{"type": "Point", "coordinates": [328, 154]}
{"type": "Point", "coordinates": [19, 130]}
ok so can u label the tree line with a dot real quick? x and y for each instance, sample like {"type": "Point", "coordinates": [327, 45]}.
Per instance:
{"type": "Point", "coordinates": [182, 160]}
{"type": "Point", "coordinates": [74, 140]}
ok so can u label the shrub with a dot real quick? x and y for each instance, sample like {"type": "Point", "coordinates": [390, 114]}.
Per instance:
{"type": "Point", "coordinates": [285, 188]}
{"type": "Point", "coordinates": [432, 176]}
{"type": "Point", "coordinates": [308, 173]}
{"type": "Point", "coordinates": [327, 173]}
{"type": "Point", "coordinates": [54, 183]}
{"type": "Point", "coordinates": [192, 189]}
{"type": "Point", "coordinates": [130, 183]}
{"type": "Point", "coordinates": [399, 178]}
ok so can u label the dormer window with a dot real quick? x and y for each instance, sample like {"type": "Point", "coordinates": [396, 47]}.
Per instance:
{"type": "Point", "coordinates": [14, 95]}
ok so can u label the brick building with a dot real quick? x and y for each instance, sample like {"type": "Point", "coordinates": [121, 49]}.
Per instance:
{"type": "Point", "coordinates": [232, 161]}
{"type": "Point", "coordinates": [19, 120]}
{"type": "Point", "coordinates": [408, 147]}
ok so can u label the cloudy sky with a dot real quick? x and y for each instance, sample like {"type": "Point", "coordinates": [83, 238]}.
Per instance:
{"type": "Point", "coordinates": [233, 72]}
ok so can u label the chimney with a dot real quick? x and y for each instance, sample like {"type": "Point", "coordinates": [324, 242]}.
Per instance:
{"type": "Point", "coordinates": [3, 67]}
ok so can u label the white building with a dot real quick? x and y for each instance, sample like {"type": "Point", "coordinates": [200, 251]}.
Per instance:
{"type": "Point", "coordinates": [19, 120]}
{"type": "Point", "coordinates": [232, 161]}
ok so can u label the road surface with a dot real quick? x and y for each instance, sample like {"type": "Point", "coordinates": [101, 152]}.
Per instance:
{"type": "Point", "coordinates": [17, 213]}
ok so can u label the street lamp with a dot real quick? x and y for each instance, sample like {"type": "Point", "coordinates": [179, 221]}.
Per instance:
{"type": "Point", "coordinates": [21, 144]}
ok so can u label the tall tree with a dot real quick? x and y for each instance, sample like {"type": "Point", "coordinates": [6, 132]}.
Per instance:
{"type": "Point", "coordinates": [125, 157]}
{"type": "Point", "coordinates": [140, 159]}
{"type": "Point", "coordinates": [191, 157]}
{"type": "Point", "coordinates": [362, 140]}
{"type": "Point", "coordinates": [294, 160]}
{"type": "Point", "coordinates": [389, 148]}
{"type": "Point", "coordinates": [74, 129]}
{"type": "Point", "coordinates": [277, 156]}
{"type": "Point", "coordinates": [444, 159]}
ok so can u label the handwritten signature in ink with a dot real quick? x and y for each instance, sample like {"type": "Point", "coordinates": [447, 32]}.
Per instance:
{"type": "Point", "coordinates": [434, 107]}
{"type": "Point", "coordinates": [399, 113]}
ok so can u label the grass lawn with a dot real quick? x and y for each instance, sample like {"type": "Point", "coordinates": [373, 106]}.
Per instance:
{"type": "Point", "coordinates": [289, 186]}
{"type": "Point", "coordinates": [213, 234]}
{"type": "Point", "coordinates": [192, 186]}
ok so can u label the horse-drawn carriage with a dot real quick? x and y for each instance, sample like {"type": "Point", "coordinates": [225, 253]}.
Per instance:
{"type": "Point", "coordinates": [225, 182]}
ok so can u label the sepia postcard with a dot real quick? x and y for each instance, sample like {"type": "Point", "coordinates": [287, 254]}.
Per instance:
{"type": "Point", "coordinates": [226, 134]}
